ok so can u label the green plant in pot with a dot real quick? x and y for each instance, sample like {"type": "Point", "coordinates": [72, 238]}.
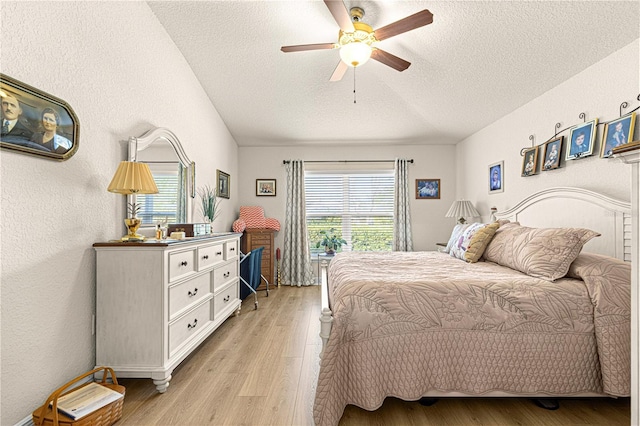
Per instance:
{"type": "Point", "coordinates": [331, 241]}
{"type": "Point", "coordinates": [210, 203]}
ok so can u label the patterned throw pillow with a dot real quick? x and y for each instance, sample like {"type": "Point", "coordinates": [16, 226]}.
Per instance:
{"type": "Point", "coordinates": [479, 242]}
{"type": "Point", "coordinates": [543, 253]}
{"type": "Point", "coordinates": [461, 244]}
{"type": "Point", "coordinates": [455, 234]}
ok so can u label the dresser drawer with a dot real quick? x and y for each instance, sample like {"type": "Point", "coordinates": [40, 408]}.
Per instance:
{"type": "Point", "coordinates": [231, 249]}
{"type": "Point", "coordinates": [188, 292]}
{"type": "Point", "coordinates": [181, 264]}
{"type": "Point", "coordinates": [225, 298]}
{"type": "Point", "coordinates": [223, 274]}
{"type": "Point", "coordinates": [210, 255]}
{"type": "Point", "coordinates": [189, 325]}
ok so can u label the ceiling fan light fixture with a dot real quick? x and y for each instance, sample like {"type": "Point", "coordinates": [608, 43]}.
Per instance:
{"type": "Point", "coordinates": [355, 53]}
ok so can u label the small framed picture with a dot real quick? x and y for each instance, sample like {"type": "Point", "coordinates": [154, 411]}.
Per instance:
{"type": "Point", "coordinates": [224, 184]}
{"type": "Point", "coordinates": [530, 162]}
{"type": "Point", "coordinates": [36, 123]}
{"type": "Point", "coordinates": [616, 133]}
{"type": "Point", "coordinates": [496, 177]}
{"type": "Point", "coordinates": [266, 187]}
{"type": "Point", "coordinates": [427, 189]}
{"type": "Point", "coordinates": [551, 154]}
{"type": "Point", "coordinates": [581, 140]}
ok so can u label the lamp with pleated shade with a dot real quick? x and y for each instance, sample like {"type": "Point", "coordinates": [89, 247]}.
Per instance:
{"type": "Point", "coordinates": [462, 209]}
{"type": "Point", "coordinates": [133, 178]}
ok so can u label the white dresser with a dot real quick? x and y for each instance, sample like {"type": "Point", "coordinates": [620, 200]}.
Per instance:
{"type": "Point", "coordinates": [157, 301]}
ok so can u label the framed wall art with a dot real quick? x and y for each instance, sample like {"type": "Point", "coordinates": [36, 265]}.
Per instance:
{"type": "Point", "coordinates": [551, 154]}
{"type": "Point", "coordinates": [530, 162]}
{"type": "Point", "coordinates": [496, 177]}
{"type": "Point", "coordinates": [427, 189]}
{"type": "Point", "coordinates": [36, 123]}
{"type": "Point", "coordinates": [616, 133]}
{"type": "Point", "coordinates": [266, 187]}
{"type": "Point", "coordinates": [224, 184]}
{"type": "Point", "coordinates": [581, 140]}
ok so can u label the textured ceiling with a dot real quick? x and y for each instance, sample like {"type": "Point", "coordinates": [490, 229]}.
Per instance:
{"type": "Point", "coordinates": [475, 63]}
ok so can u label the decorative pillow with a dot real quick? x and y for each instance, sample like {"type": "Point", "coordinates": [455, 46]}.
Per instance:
{"type": "Point", "coordinates": [461, 244]}
{"type": "Point", "coordinates": [479, 242]}
{"type": "Point", "coordinates": [455, 234]}
{"type": "Point", "coordinates": [544, 253]}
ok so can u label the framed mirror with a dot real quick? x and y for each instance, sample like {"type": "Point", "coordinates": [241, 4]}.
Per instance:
{"type": "Point", "coordinates": [174, 174]}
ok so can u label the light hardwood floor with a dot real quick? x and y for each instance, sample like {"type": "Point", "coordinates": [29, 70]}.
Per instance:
{"type": "Point", "coordinates": [261, 368]}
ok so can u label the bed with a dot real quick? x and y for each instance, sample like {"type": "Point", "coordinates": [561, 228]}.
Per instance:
{"type": "Point", "coordinates": [414, 324]}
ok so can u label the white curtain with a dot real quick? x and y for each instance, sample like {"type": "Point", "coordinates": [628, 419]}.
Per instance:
{"type": "Point", "coordinates": [296, 258]}
{"type": "Point", "coordinates": [401, 213]}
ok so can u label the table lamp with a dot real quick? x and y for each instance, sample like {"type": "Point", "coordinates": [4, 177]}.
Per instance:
{"type": "Point", "coordinates": [133, 178]}
{"type": "Point", "coordinates": [462, 209]}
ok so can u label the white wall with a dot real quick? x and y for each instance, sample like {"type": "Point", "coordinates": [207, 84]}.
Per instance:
{"type": "Point", "coordinates": [598, 91]}
{"type": "Point", "coordinates": [121, 73]}
{"type": "Point", "coordinates": [430, 162]}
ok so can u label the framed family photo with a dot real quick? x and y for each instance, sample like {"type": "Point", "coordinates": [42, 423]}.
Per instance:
{"type": "Point", "coordinates": [616, 133]}
{"type": "Point", "coordinates": [581, 140]}
{"type": "Point", "coordinates": [551, 154]}
{"type": "Point", "coordinates": [496, 177]}
{"type": "Point", "coordinates": [224, 184]}
{"type": "Point", "coordinates": [530, 162]}
{"type": "Point", "coordinates": [266, 187]}
{"type": "Point", "coordinates": [36, 123]}
{"type": "Point", "coordinates": [427, 189]}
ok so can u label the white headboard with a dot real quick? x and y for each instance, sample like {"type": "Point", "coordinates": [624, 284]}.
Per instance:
{"type": "Point", "coordinates": [579, 208]}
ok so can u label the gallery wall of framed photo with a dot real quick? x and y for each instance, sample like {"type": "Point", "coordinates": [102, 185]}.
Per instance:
{"type": "Point", "coordinates": [582, 141]}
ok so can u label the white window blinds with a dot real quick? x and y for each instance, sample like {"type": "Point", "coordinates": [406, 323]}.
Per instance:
{"type": "Point", "coordinates": [161, 207]}
{"type": "Point", "coordinates": [359, 205]}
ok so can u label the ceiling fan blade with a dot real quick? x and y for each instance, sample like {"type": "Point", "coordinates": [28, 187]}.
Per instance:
{"type": "Point", "coordinates": [417, 20]}
{"type": "Point", "coordinates": [303, 47]}
{"type": "Point", "coordinates": [388, 59]}
{"type": "Point", "coordinates": [340, 14]}
{"type": "Point", "coordinates": [339, 71]}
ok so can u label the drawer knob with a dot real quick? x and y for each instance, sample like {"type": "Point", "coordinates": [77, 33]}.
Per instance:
{"type": "Point", "coordinates": [190, 326]}
{"type": "Point", "coordinates": [226, 299]}
{"type": "Point", "coordinates": [218, 253]}
{"type": "Point", "coordinates": [191, 294]}
{"type": "Point", "coordinates": [184, 263]}
{"type": "Point", "coordinates": [226, 274]}
{"type": "Point", "coordinates": [205, 257]}
{"type": "Point", "coordinates": [232, 249]}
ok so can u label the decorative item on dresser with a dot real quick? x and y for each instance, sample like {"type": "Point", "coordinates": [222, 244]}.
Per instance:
{"type": "Point", "coordinates": [158, 301]}
{"type": "Point", "coordinates": [254, 238]}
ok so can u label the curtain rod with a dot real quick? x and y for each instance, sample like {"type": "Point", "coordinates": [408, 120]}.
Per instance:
{"type": "Point", "coordinates": [346, 161]}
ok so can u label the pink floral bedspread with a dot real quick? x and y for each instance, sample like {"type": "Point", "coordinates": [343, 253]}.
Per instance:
{"type": "Point", "coordinates": [409, 323]}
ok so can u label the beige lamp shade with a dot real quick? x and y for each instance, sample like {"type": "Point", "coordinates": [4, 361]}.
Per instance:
{"type": "Point", "coordinates": [133, 178]}
{"type": "Point", "coordinates": [462, 209]}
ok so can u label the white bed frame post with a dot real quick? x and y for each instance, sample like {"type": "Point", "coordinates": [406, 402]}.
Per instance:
{"type": "Point", "coordinates": [633, 157]}
{"type": "Point", "coordinates": [326, 317]}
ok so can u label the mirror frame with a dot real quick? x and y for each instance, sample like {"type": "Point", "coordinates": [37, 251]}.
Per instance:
{"type": "Point", "coordinates": [137, 144]}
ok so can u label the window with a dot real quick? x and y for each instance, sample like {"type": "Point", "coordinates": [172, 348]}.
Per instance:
{"type": "Point", "coordinates": [359, 205]}
{"type": "Point", "coordinates": [161, 207]}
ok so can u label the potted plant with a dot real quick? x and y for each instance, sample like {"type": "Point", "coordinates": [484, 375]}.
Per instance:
{"type": "Point", "coordinates": [330, 240]}
{"type": "Point", "coordinates": [210, 204]}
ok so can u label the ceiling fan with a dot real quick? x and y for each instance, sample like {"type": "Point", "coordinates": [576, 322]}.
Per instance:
{"type": "Point", "coordinates": [356, 40]}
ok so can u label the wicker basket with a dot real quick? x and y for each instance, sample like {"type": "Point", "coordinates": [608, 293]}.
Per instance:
{"type": "Point", "coordinates": [48, 414]}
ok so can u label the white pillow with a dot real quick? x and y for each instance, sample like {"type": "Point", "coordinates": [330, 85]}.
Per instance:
{"type": "Point", "coordinates": [455, 235]}
{"type": "Point", "coordinates": [461, 244]}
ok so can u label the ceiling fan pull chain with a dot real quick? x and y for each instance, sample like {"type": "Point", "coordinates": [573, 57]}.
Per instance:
{"type": "Point", "coordinates": [354, 85]}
